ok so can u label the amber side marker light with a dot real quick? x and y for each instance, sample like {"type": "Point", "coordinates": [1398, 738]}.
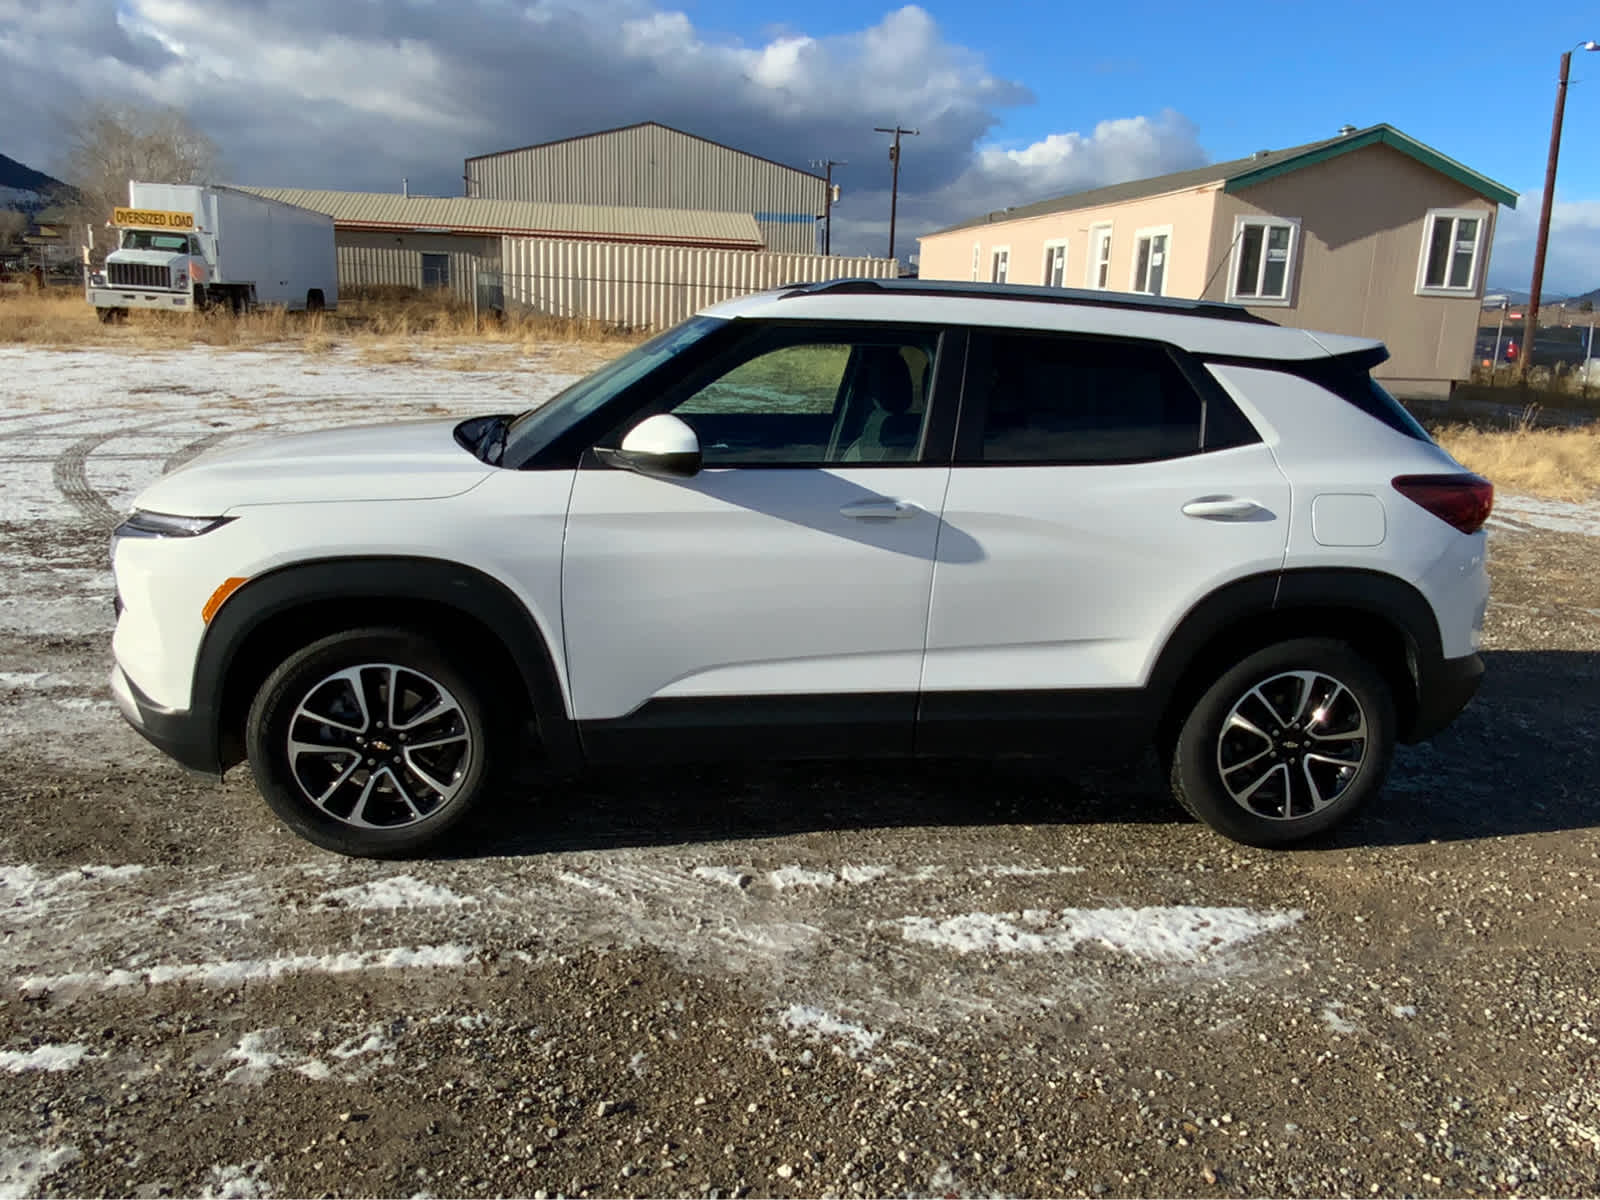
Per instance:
{"type": "Point", "coordinates": [229, 587]}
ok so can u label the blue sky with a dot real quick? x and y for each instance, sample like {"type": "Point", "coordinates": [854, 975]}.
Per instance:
{"type": "Point", "coordinates": [1474, 79]}
{"type": "Point", "coordinates": [1017, 99]}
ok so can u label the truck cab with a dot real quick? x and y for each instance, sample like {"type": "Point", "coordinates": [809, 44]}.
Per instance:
{"type": "Point", "coordinates": [151, 268]}
{"type": "Point", "coordinates": [187, 246]}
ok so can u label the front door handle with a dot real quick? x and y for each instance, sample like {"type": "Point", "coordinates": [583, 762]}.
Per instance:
{"type": "Point", "coordinates": [879, 510]}
{"type": "Point", "coordinates": [1224, 508]}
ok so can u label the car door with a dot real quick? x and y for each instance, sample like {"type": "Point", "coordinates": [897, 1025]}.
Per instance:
{"type": "Point", "coordinates": [777, 601]}
{"type": "Point", "coordinates": [1108, 486]}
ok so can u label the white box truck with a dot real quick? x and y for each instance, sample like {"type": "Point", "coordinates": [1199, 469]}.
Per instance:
{"type": "Point", "coordinates": [183, 246]}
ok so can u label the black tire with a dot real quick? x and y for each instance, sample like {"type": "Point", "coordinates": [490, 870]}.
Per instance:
{"type": "Point", "coordinates": [106, 315]}
{"type": "Point", "coordinates": [402, 796]}
{"type": "Point", "coordinates": [1357, 729]}
{"type": "Point", "coordinates": [315, 301]}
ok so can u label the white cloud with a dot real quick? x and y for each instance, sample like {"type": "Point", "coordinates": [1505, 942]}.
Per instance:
{"type": "Point", "coordinates": [318, 94]}
{"type": "Point", "coordinates": [1572, 261]}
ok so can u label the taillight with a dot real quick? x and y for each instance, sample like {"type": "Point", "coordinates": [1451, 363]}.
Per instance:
{"type": "Point", "coordinates": [1463, 500]}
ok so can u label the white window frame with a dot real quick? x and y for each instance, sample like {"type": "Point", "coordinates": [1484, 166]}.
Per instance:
{"type": "Point", "coordinates": [1452, 214]}
{"type": "Point", "coordinates": [1091, 266]}
{"type": "Point", "coordinates": [995, 254]}
{"type": "Point", "coordinates": [977, 260]}
{"type": "Point", "coordinates": [1050, 248]}
{"type": "Point", "coordinates": [1139, 235]}
{"type": "Point", "coordinates": [1289, 282]}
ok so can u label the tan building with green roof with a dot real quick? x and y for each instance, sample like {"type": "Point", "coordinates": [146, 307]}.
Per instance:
{"type": "Point", "coordinates": [1370, 233]}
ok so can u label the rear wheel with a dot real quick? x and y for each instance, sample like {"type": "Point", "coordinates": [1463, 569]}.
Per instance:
{"type": "Point", "coordinates": [1286, 744]}
{"type": "Point", "coordinates": [315, 301]}
{"type": "Point", "coordinates": [371, 742]}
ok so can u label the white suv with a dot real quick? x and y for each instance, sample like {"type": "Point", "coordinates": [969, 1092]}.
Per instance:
{"type": "Point", "coordinates": [841, 519]}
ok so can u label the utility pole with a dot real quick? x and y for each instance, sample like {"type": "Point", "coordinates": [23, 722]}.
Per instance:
{"type": "Point", "coordinates": [1531, 329]}
{"type": "Point", "coordinates": [827, 165]}
{"type": "Point", "coordinates": [894, 186]}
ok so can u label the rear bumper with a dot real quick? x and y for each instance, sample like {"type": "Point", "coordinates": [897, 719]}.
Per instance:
{"type": "Point", "coordinates": [179, 733]}
{"type": "Point", "coordinates": [1444, 688]}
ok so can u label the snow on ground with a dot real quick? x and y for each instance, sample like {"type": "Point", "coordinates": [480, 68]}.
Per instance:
{"type": "Point", "coordinates": [42, 1058]}
{"type": "Point", "coordinates": [807, 942]}
{"type": "Point", "coordinates": [1175, 933]}
{"type": "Point", "coordinates": [24, 1166]}
{"type": "Point", "coordinates": [1515, 513]}
{"type": "Point", "coordinates": [111, 422]}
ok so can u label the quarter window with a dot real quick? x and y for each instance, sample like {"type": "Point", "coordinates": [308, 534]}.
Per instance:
{"type": "Point", "coordinates": [1055, 265]}
{"type": "Point", "coordinates": [1452, 244]}
{"type": "Point", "coordinates": [1150, 260]}
{"type": "Point", "coordinates": [1062, 400]}
{"type": "Point", "coordinates": [1263, 255]}
{"type": "Point", "coordinates": [813, 401]}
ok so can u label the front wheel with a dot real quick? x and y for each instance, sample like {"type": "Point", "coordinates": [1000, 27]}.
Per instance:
{"type": "Point", "coordinates": [1286, 744]}
{"type": "Point", "coordinates": [371, 742]}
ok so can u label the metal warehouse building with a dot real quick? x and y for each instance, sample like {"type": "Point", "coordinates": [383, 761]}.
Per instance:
{"type": "Point", "coordinates": [387, 238]}
{"type": "Point", "coordinates": [650, 165]}
{"type": "Point", "coordinates": [635, 267]}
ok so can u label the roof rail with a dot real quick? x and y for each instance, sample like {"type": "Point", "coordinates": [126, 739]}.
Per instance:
{"type": "Point", "coordinates": [1038, 295]}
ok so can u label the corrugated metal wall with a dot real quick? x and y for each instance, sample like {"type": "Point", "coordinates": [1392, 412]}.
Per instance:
{"type": "Point", "coordinates": [394, 259]}
{"type": "Point", "coordinates": [654, 167]}
{"type": "Point", "coordinates": [654, 287]}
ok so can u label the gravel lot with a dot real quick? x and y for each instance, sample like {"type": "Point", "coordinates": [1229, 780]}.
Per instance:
{"type": "Point", "coordinates": [924, 980]}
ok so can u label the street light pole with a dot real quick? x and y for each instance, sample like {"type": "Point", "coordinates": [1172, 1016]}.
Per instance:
{"type": "Point", "coordinates": [894, 186]}
{"type": "Point", "coordinates": [1531, 329]}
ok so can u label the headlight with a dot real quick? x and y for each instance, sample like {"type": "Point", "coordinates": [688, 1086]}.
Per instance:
{"type": "Point", "coordinates": [140, 524]}
{"type": "Point", "coordinates": [98, 279]}
{"type": "Point", "coordinates": [154, 524]}
{"type": "Point", "coordinates": [182, 281]}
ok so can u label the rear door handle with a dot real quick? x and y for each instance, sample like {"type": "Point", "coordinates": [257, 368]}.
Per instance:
{"type": "Point", "coordinates": [1223, 508]}
{"type": "Point", "coordinates": [879, 510]}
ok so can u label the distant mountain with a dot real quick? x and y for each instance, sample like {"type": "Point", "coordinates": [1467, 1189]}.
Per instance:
{"type": "Point", "coordinates": [23, 187]}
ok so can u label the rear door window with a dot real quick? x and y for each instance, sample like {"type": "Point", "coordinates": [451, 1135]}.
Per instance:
{"type": "Point", "coordinates": [1040, 398]}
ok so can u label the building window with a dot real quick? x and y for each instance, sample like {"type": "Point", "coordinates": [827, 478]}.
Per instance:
{"type": "Point", "coordinates": [1452, 245]}
{"type": "Point", "coordinates": [977, 260]}
{"type": "Point", "coordinates": [1263, 260]}
{"type": "Point", "coordinates": [435, 271]}
{"type": "Point", "coordinates": [1000, 265]}
{"type": "Point", "coordinates": [1099, 272]}
{"type": "Point", "coordinates": [1055, 264]}
{"type": "Point", "coordinates": [1150, 248]}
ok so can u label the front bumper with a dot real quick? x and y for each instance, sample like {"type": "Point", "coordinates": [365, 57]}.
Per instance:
{"type": "Point", "coordinates": [186, 736]}
{"type": "Point", "coordinates": [114, 297]}
{"type": "Point", "coordinates": [1444, 688]}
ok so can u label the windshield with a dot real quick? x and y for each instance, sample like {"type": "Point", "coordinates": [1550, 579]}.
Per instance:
{"type": "Point", "coordinates": [149, 239]}
{"type": "Point", "coordinates": [537, 427]}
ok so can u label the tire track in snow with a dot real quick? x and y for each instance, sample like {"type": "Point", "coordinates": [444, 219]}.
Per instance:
{"type": "Point", "coordinates": [194, 449]}
{"type": "Point", "coordinates": [71, 476]}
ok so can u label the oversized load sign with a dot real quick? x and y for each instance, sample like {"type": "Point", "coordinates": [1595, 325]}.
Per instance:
{"type": "Point", "coordinates": [144, 218]}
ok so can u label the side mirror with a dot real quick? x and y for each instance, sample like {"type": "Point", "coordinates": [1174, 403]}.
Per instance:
{"type": "Point", "coordinates": [661, 446]}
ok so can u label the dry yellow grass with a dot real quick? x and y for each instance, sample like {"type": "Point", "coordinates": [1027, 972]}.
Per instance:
{"type": "Point", "coordinates": [386, 325]}
{"type": "Point", "coordinates": [1559, 464]}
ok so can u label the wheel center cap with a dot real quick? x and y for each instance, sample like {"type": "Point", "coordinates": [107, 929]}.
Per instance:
{"type": "Point", "coordinates": [380, 746]}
